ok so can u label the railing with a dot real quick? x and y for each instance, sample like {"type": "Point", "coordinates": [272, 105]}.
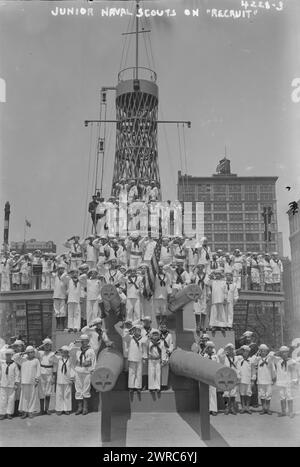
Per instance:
{"type": "Point", "coordinates": [143, 73]}
{"type": "Point", "coordinates": [46, 282]}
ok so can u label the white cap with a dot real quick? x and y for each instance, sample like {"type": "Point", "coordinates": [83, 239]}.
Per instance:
{"type": "Point", "coordinates": [146, 318]}
{"type": "Point", "coordinates": [9, 351]}
{"type": "Point", "coordinates": [154, 331]}
{"type": "Point", "coordinates": [65, 348]}
{"type": "Point", "coordinates": [247, 334]}
{"type": "Point", "coordinates": [97, 321]}
{"type": "Point", "coordinates": [29, 348]}
{"type": "Point", "coordinates": [84, 337]}
{"type": "Point", "coordinates": [17, 342]}
{"type": "Point", "coordinates": [284, 348]}
{"type": "Point", "coordinates": [263, 347]}
{"type": "Point", "coordinates": [229, 345]}
{"type": "Point", "coordinates": [210, 344]}
{"type": "Point", "coordinates": [137, 326]}
{"type": "Point", "coordinates": [205, 336]}
{"type": "Point", "coordinates": [47, 341]}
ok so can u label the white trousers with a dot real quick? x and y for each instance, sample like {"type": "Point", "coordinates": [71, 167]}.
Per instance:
{"type": "Point", "coordinates": [29, 399]}
{"type": "Point", "coordinates": [245, 389]}
{"type": "Point", "coordinates": [165, 375]}
{"type": "Point", "coordinates": [135, 375]}
{"type": "Point", "coordinates": [74, 316]}
{"type": "Point", "coordinates": [160, 306]}
{"type": "Point", "coordinates": [63, 399]}
{"type": "Point", "coordinates": [154, 374]}
{"type": "Point", "coordinates": [133, 309]}
{"type": "Point", "coordinates": [7, 401]}
{"type": "Point", "coordinates": [45, 386]}
{"type": "Point", "coordinates": [59, 306]}
{"type": "Point", "coordinates": [82, 385]}
{"type": "Point", "coordinates": [228, 314]}
{"type": "Point", "coordinates": [91, 310]}
{"type": "Point", "coordinates": [46, 280]}
{"type": "Point", "coordinates": [286, 393]}
{"type": "Point", "coordinates": [265, 391]}
{"type": "Point", "coordinates": [213, 407]}
{"type": "Point", "coordinates": [217, 315]}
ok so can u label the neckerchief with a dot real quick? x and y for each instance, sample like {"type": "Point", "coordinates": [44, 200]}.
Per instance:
{"type": "Point", "coordinates": [112, 276]}
{"type": "Point", "coordinates": [148, 331]}
{"type": "Point", "coordinates": [75, 282]}
{"type": "Point", "coordinates": [179, 279]}
{"type": "Point", "coordinates": [133, 282]}
{"type": "Point", "coordinates": [163, 336]}
{"type": "Point", "coordinates": [64, 366]}
{"type": "Point", "coordinates": [245, 360]}
{"type": "Point", "coordinates": [82, 355]}
{"type": "Point", "coordinates": [206, 253]}
{"type": "Point", "coordinates": [136, 340]}
{"type": "Point", "coordinates": [231, 362]}
{"type": "Point", "coordinates": [99, 332]}
{"type": "Point", "coordinates": [7, 367]}
{"type": "Point", "coordinates": [214, 264]}
{"type": "Point", "coordinates": [264, 362]}
{"type": "Point", "coordinates": [162, 280]}
{"type": "Point", "coordinates": [156, 344]}
{"type": "Point", "coordinates": [228, 285]}
{"type": "Point", "coordinates": [284, 364]}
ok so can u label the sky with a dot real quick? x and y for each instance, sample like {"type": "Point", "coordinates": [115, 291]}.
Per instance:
{"type": "Point", "coordinates": [230, 77]}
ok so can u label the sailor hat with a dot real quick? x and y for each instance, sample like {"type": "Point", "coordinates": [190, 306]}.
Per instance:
{"type": "Point", "coordinates": [9, 352]}
{"type": "Point", "coordinates": [47, 341]}
{"type": "Point", "coordinates": [284, 348]}
{"type": "Point", "coordinates": [263, 347]}
{"type": "Point", "coordinates": [29, 348]}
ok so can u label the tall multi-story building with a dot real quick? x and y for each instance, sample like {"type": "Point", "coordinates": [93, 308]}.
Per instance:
{"type": "Point", "coordinates": [294, 222]}
{"type": "Point", "coordinates": [233, 209]}
{"type": "Point", "coordinates": [31, 245]}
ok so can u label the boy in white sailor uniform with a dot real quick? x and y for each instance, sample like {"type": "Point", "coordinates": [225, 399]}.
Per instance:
{"type": "Point", "coordinates": [204, 254]}
{"type": "Point", "coordinates": [9, 383]}
{"type": "Point", "coordinates": [200, 277]}
{"type": "Point", "coordinates": [134, 247]}
{"type": "Point", "coordinates": [101, 211]}
{"type": "Point", "coordinates": [277, 270]}
{"type": "Point", "coordinates": [90, 251]}
{"type": "Point", "coordinates": [134, 285]}
{"type": "Point", "coordinates": [124, 328]}
{"type": "Point", "coordinates": [75, 251]}
{"type": "Point", "coordinates": [61, 280]}
{"type": "Point", "coordinates": [74, 292]}
{"type": "Point", "coordinates": [148, 245]}
{"type": "Point", "coordinates": [219, 294]}
{"type": "Point", "coordinates": [157, 357]}
{"type": "Point", "coordinates": [136, 353]}
{"type": "Point", "coordinates": [65, 376]}
{"type": "Point", "coordinates": [166, 254]}
{"type": "Point", "coordinates": [83, 361]}
{"type": "Point", "coordinates": [265, 375]}
{"type": "Point", "coordinates": [162, 290]}
{"type": "Point", "coordinates": [210, 353]}
{"type": "Point", "coordinates": [286, 379]}
{"type": "Point", "coordinates": [47, 377]}
{"type": "Point", "coordinates": [228, 358]}
{"type": "Point", "coordinates": [254, 272]}
{"type": "Point", "coordinates": [101, 245]}
{"type": "Point", "coordinates": [93, 296]}
{"type": "Point", "coordinates": [30, 377]}
{"type": "Point", "coordinates": [180, 252]}
{"type": "Point", "coordinates": [246, 375]}
{"type": "Point", "coordinates": [179, 276]}
{"type": "Point", "coordinates": [167, 341]}
{"type": "Point", "coordinates": [232, 298]}
{"type": "Point", "coordinates": [97, 336]}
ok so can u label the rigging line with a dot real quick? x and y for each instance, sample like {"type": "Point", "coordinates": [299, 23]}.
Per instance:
{"type": "Point", "coordinates": [88, 177]}
{"type": "Point", "coordinates": [145, 43]}
{"type": "Point", "coordinates": [129, 41]}
{"type": "Point", "coordinates": [125, 40]}
{"type": "Point", "coordinates": [98, 147]}
{"type": "Point", "coordinates": [181, 164]}
{"type": "Point", "coordinates": [184, 148]}
{"type": "Point", "coordinates": [104, 138]}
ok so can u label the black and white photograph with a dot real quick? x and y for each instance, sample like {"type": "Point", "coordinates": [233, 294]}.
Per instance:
{"type": "Point", "coordinates": [150, 226]}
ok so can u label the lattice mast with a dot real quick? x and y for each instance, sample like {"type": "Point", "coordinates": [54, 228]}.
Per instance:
{"type": "Point", "coordinates": [136, 156]}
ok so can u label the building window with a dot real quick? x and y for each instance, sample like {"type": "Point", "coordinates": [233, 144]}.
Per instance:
{"type": "Point", "coordinates": [235, 246]}
{"type": "Point", "coordinates": [219, 196]}
{"type": "Point", "coordinates": [220, 227]}
{"type": "Point", "coordinates": [266, 188]}
{"type": "Point", "coordinates": [207, 227]}
{"type": "Point", "coordinates": [236, 227]}
{"type": "Point", "coordinates": [236, 237]}
{"type": "Point", "coordinates": [208, 188]}
{"type": "Point", "coordinates": [220, 206]}
{"type": "Point", "coordinates": [252, 237]}
{"type": "Point", "coordinates": [236, 216]}
{"type": "Point", "coordinates": [252, 226]}
{"type": "Point", "coordinates": [236, 187]}
{"type": "Point", "coordinates": [251, 207]}
{"type": "Point", "coordinates": [235, 196]}
{"type": "Point", "coordinates": [235, 207]}
{"type": "Point", "coordinates": [207, 206]}
{"type": "Point", "coordinates": [209, 237]}
{"type": "Point", "coordinates": [251, 216]}
{"type": "Point", "coordinates": [220, 188]}
{"type": "Point", "coordinates": [266, 196]}
{"type": "Point", "coordinates": [203, 197]}
{"type": "Point", "coordinates": [221, 246]}
{"type": "Point", "coordinates": [220, 217]}
{"type": "Point", "coordinates": [221, 237]}
{"type": "Point", "coordinates": [250, 196]}
{"type": "Point", "coordinates": [251, 188]}
{"type": "Point", "coordinates": [253, 247]}
{"type": "Point", "coordinates": [207, 217]}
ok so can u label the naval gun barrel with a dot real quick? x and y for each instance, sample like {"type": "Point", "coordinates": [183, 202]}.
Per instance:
{"type": "Point", "coordinates": [107, 370]}
{"type": "Point", "coordinates": [204, 370]}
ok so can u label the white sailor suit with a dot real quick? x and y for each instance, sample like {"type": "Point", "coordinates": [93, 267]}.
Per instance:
{"type": "Point", "coordinates": [9, 378]}
{"type": "Point", "coordinates": [133, 303]}
{"type": "Point", "coordinates": [245, 371]}
{"type": "Point", "coordinates": [232, 298]}
{"type": "Point", "coordinates": [136, 352]}
{"type": "Point", "coordinates": [93, 287]}
{"type": "Point", "coordinates": [30, 376]}
{"type": "Point", "coordinates": [64, 381]}
{"type": "Point", "coordinates": [265, 372]}
{"type": "Point", "coordinates": [157, 357]}
{"type": "Point", "coordinates": [286, 375]}
{"type": "Point", "coordinates": [162, 288]}
{"type": "Point", "coordinates": [82, 372]}
{"type": "Point", "coordinates": [213, 407]}
{"type": "Point", "coordinates": [60, 294]}
{"type": "Point", "coordinates": [218, 296]}
{"type": "Point", "coordinates": [46, 380]}
{"type": "Point", "coordinates": [167, 341]}
{"type": "Point", "coordinates": [74, 311]}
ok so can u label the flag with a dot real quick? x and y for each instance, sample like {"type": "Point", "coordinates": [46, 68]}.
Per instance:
{"type": "Point", "coordinates": [152, 270]}
{"type": "Point", "coordinates": [27, 223]}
